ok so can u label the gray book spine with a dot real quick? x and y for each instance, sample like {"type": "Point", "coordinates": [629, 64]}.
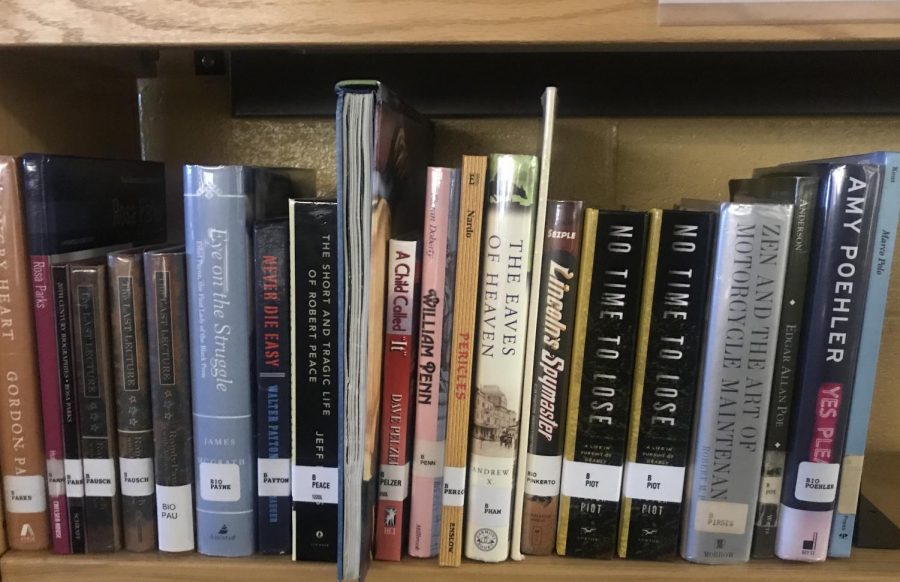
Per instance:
{"type": "Point", "coordinates": [736, 382]}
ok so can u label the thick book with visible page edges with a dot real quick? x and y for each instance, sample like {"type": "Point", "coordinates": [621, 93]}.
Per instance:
{"type": "Point", "coordinates": [462, 354]}
{"type": "Point", "coordinates": [134, 416]}
{"type": "Point", "coordinates": [500, 364]}
{"type": "Point", "coordinates": [667, 367]}
{"type": "Point", "coordinates": [383, 149]}
{"type": "Point", "coordinates": [606, 326]}
{"type": "Point", "coordinates": [21, 445]}
{"type": "Point", "coordinates": [314, 389]}
{"type": "Point", "coordinates": [397, 402]}
{"type": "Point", "coordinates": [433, 367]}
{"type": "Point", "coordinates": [736, 382]}
{"type": "Point", "coordinates": [271, 274]}
{"type": "Point", "coordinates": [170, 391]}
{"type": "Point", "coordinates": [77, 208]}
{"type": "Point", "coordinates": [801, 192]}
{"type": "Point", "coordinates": [552, 369]}
{"type": "Point", "coordinates": [221, 204]}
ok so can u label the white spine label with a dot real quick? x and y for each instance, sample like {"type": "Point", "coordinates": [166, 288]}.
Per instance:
{"type": "Point", "coordinates": [542, 475]}
{"type": "Point", "coordinates": [722, 517]}
{"type": "Point", "coordinates": [56, 477]}
{"type": "Point", "coordinates": [273, 477]}
{"type": "Point", "coordinates": [74, 478]}
{"type": "Point", "coordinates": [315, 484]}
{"type": "Point", "coordinates": [175, 523]}
{"type": "Point", "coordinates": [817, 482]}
{"type": "Point", "coordinates": [490, 491]}
{"type": "Point", "coordinates": [428, 459]}
{"type": "Point", "coordinates": [770, 490]}
{"type": "Point", "coordinates": [24, 494]}
{"type": "Point", "coordinates": [220, 481]}
{"type": "Point", "coordinates": [590, 481]}
{"type": "Point", "coordinates": [654, 482]}
{"type": "Point", "coordinates": [454, 486]}
{"type": "Point", "coordinates": [136, 477]}
{"type": "Point", "coordinates": [393, 482]}
{"type": "Point", "coordinates": [99, 477]}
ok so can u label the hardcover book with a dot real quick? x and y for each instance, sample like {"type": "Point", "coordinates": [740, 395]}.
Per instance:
{"type": "Point", "coordinates": [552, 368]}
{"type": "Point", "coordinates": [134, 416]}
{"type": "Point", "coordinates": [462, 355]}
{"type": "Point", "coordinates": [801, 192]}
{"type": "Point", "coordinates": [866, 366]}
{"type": "Point", "coordinates": [606, 327]}
{"type": "Point", "coordinates": [397, 406]}
{"type": "Point", "coordinates": [21, 445]}
{"type": "Point", "coordinates": [170, 391]}
{"type": "Point", "coordinates": [433, 368]}
{"type": "Point", "coordinates": [96, 406]}
{"type": "Point", "coordinates": [736, 382]}
{"type": "Point", "coordinates": [271, 274]}
{"type": "Point", "coordinates": [314, 389]}
{"type": "Point", "coordinates": [502, 315]}
{"type": "Point", "coordinates": [383, 149]}
{"type": "Point", "coordinates": [221, 204]}
{"type": "Point", "coordinates": [77, 208]}
{"type": "Point", "coordinates": [667, 368]}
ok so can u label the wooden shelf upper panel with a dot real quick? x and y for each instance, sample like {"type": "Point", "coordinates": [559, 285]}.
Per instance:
{"type": "Point", "coordinates": [390, 22]}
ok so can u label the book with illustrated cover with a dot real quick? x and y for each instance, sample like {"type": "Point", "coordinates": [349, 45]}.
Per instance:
{"type": "Point", "coordinates": [170, 391]}
{"type": "Point", "coordinates": [397, 405]}
{"type": "Point", "coordinates": [314, 389]}
{"type": "Point", "coordinates": [552, 369]}
{"type": "Point", "coordinates": [606, 327]}
{"type": "Point", "coordinates": [465, 302]}
{"type": "Point", "coordinates": [500, 363]}
{"type": "Point", "coordinates": [736, 382]}
{"type": "Point", "coordinates": [667, 368]}
{"type": "Point", "coordinates": [801, 192]}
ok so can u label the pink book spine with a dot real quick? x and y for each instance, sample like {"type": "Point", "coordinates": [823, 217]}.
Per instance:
{"type": "Point", "coordinates": [48, 366]}
{"type": "Point", "coordinates": [428, 444]}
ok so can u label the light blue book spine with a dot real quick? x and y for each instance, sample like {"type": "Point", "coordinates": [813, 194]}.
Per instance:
{"type": "Point", "coordinates": [867, 364]}
{"type": "Point", "coordinates": [218, 249]}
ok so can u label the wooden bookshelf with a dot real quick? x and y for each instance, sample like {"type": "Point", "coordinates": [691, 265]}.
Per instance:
{"type": "Point", "coordinates": [387, 23]}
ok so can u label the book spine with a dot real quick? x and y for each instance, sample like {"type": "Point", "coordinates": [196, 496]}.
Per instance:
{"type": "Point", "coordinates": [313, 253]}
{"type": "Point", "coordinates": [866, 367]}
{"type": "Point", "coordinates": [69, 407]}
{"type": "Point", "coordinates": [273, 376]}
{"type": "Point", "coordinates": [502, 326]}
{"type": "Point", "coordinates": [739, 361]}
{"type": "Point", "coordinates": [391, 510]}
{"type": "Point", "coordinates": [433, 375]}
{"type": "Point", "coordinates": [96, 402]}
{"type": "Point", "coordinates": [552, 367]}
{"type": "Point", "coordinates": [465, 302]}
{"type": "Point", "coordinates": [218, 251]}
{"type": "Point", "coordinates": [609, 291]}
{"type": "Point", "coordinates": [170, 390]}
{"type": "Point", "coordinates": [838, 281]}
{"type": "Point", "coordinates": [134, 416]}
{"type": "Point", "coordinates": [21, 445]}
{"type": "Point", "coordinates": [673, 309]}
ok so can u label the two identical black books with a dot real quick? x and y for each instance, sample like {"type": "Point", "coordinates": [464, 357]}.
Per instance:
{"type": "Point", "coordinates": [77, 209]}
{"type": "Point", "coordinates": [313, 446]}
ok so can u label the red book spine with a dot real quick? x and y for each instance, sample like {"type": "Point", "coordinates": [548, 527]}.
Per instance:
{"type": "Point", "coordinates": [391, 513]}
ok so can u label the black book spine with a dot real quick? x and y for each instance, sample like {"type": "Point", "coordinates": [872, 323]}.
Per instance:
{"type": "Point", "coordinates": [677, 321]}
{"type": "Point", "coordinates": [68, 394]}
{"type": "Point", "coordinates": [607, 376]}
{"type": "Point", "coordinates": [315, 388]}
{"type": "Point", "coordinates": [273, 376]}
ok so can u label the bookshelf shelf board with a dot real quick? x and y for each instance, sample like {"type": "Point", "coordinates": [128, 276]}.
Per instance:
{"type": "Point", "coordinates": [391, 22]}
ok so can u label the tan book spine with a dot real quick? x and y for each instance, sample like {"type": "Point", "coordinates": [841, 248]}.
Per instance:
{"type": "Point", "coordinates": [21, 444]}
{"type": "Point", "coordinates": [582, 306]}
{"type": "Point", "coordinates": [640, 366]}
{"type": "Point", "coordinates": [468, 257]}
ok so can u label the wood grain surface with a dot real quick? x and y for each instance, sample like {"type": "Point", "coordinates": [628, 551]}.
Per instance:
{"type": "Point", "coordinates": [388, 22]}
